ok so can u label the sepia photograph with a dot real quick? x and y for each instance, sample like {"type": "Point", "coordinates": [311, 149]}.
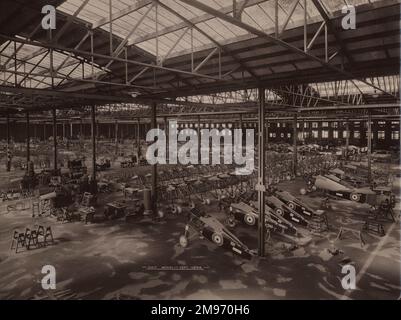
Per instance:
{"type": "Point", "coordinates": [210, 151]}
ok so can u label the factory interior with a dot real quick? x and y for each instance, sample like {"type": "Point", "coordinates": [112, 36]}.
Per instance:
{"type": "Point", "coordinates": [311, 99]}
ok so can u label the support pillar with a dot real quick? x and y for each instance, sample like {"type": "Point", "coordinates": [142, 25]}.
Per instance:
{"type": "Point", "coordinates": [369, 147]}
{"type": "Point", "coordinates": [154, 166]}
{"type": "Point", "coordinates": [199, 141]}
{"type": "Point", "coordinates": [242, 143]}
{"type": "Point", "coordinates": [346, 140]}
{"type": "Point", "coordinates": [261, 173]}
{"type": "Point", "coordinates": [116, 135]}
{"type": "Point", "coordinates": [93, 127]}
{"type": "Point", "coordinates": [138, 139]}
{"type": "Point", "coordinates": [166, 131]}
{"type": "Point", "coordinates": [8, 144]}
{"type": "Point", "coordinates": [28, 138]}
{"type": "Point", "coordinates": [295, 146]}
{"type": "Point", "coordinates": [54, 141]}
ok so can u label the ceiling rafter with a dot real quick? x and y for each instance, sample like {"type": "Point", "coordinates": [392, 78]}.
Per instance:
{"type": "Point", "coordinates": [205, 8]}
{"type": "Point", "coordinates": [216, 43]}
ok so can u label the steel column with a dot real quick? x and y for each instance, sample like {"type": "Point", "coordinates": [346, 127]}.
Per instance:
{"type": "Point", "coordinates": [54, 140]}
{"type": "Point", "coordinates": [154, 167]}
{"type": "Point", "coordinates": [28, 138]}
{"type": "Point", "coordinates": [369, 147]}
{"type": "Point", "coordinates": [93, 127]}
{"type": "Point", "coordinates": [295, 146]}
{"type": "Point", "coordinates": [242, 136]}
{"type": "Point", "coordinates": [8, 144]}
{"type": "Point", "coordinates": [346, 139]}
{"type": "Point", "coordinates": [166, 132]}
{"type": "Point", "coordinates": [199, 141]}
{"type": "Point", "coordinates": [240, 126]}
{"type": "Point", "coordinates": [261, 173]}
{"type": "Point", "coordinates": [138, 139]}
{"type": "Point", "coordinates": [116, 135]}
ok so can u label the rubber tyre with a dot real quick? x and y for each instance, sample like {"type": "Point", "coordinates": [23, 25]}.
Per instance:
{"type": "Point", "coordinates": [249, 219]}
{"type": "Point", "coordinates": [355, 197]}
{"type": "Point", "coordinates": [217, 239]}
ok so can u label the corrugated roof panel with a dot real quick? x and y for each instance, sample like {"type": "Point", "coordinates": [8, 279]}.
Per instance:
{"type": "Point", "coordinates": [183, 9]}
{"type": "Point", "coordinates": [260, 15]}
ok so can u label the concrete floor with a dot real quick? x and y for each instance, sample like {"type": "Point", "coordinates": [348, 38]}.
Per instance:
{"type": "Point", "coordinates": [143, 260]}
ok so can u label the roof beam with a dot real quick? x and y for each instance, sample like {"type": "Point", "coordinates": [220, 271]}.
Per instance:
{"type": "Point", "coordinates": [289, 16]}
{"type": "Point", "coordinates": [262, 34]}
{"type": "Point", "coordinates": [107, 57]}
{"type": "Point", "coordinates": [122, 13]}
{"type": "Point", "coordinates": [238, 8]}
{"type": "Point", "coordinates": [206, 59]}
{"type": "Point", "coordinates": [202, 18]}
{"type": "Point", "coordinates": [216, 43]}
{"type": "Point", "coordinates": [120, 47]}
{"type": "Point", "coordinates": [70, 19]}
{"type": "Point", "coordinates": [60, 33]}
{"type": "Point", "coordinates": [333, 31]}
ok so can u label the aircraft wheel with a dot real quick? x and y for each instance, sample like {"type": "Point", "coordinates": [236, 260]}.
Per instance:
{"type": "Point", "coordinates": [217, 239]}
{"type": "Point", "coordinates": [192, 205]}
{"type": "Point", "coordinates": [302, 191]}
{"type": "Point", "coordinates": [279, 212]}
{"type": "Point", "coordinates": [183, 241]}
{"type": "Point", "coordinates": [291, 205]}
{"type": "Point", "coordinates": [355, 197]}
{"type": "Point", "coordinates": [249, 219]}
